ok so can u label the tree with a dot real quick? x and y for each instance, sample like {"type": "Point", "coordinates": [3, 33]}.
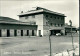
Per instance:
{"type": "Point", "coordinates": [70, 22]}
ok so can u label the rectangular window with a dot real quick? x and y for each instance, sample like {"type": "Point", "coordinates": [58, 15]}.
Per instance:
{"type": "Point", "coordinates": [61, 24]}
{"type": "Point", "coordinates": [58, 17]}
{"type": "Point", "coordinates": [51, 24]}
{"type": "Point", "coordinates": [61, 18]}
{"type": "Point", "coordinates": [58, 25]}
{"type": "Point", "coordinates": [54, 24]}
{"type": "Point", "coordinates": [46, 23]}
{"type": "Point", "coordinates": [54, 17]}
{"type": "Point", "coordinates": [46, 15]}
{"type": "Point", "coordinates": [50, 16]}
{"type": "Point", "coordinates": [33, 16]}
{"type": "Point", "coordinates": [26, 17]}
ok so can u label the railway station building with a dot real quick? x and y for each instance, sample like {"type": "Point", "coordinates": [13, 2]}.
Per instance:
{"type": "Point", "coordinates": [36, 22]}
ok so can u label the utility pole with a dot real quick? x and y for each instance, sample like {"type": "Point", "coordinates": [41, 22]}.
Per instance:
{"type": "Point", "coordinates": [50, 45]}
{"type": "Point", "coordinates": [50, 40]}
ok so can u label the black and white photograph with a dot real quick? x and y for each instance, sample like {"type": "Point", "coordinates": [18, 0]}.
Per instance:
{"type": "Point", "coordinates": [39, 28]}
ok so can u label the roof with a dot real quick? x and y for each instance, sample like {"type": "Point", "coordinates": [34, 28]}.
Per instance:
{"type": "Point", "coordinates": [7, 20]}
{"type": "Point", "coordinates": [38, 10]}
{"type": "Point", "coordinates": [2, 18]}
{"type": "Point", "coordinates": [68, 26]}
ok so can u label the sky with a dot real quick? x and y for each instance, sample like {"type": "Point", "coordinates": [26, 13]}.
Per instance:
{"type": "Point", "coordinates": [12, 8]}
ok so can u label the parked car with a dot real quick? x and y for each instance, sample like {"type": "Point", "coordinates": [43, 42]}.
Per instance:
{"type": "Point", "coordinates": [58, 34]}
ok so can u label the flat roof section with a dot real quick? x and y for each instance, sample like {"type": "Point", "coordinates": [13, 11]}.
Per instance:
{"type": "Point", "coordinates": [41, 10]}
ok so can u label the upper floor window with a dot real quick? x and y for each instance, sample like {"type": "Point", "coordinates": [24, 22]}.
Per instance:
{"type": "Point", "coordinates": [46, 23]}
{"type": "Point", "coordinates": [54, 24]}
{"type": "Point", "coordinates": [26, 17]}
{"type": "Point", "coordinates": [54, 17]}
{"type": "Point", "coordinates": [58, 25]}
{"type": "Point", "coordinates": [46, 15]}
{"type": "Point", "coordinates": [51, 24]}
{"type": "Point", "coordinates": [61, 18]}
{"type": "Point", "coordinates": [33, 16]}
{"type": "Point", "coordinates": [61, 24]}
{"type": "Point", "coordinates": [50, 16]}
{"type": "Point", "coordinates": [58, 17]}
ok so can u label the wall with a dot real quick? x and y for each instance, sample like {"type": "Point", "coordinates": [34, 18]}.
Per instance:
{"type": "Point", "coordinates": [4, 32]}
{"type": "Point", "coordinates": [12, 27]}
{"type": "Point", "coordinates": [24, 32]}
{"type": "Point", "coordinates": [51, 19]}
{"type": "Point", "coordinates": [11, 32]}
{"type": "Point", "coordinates": [38, 19]}
{"type": "Point", "coordinates": [39, 22]}
{"type": "Point", "coordinates": [18, 26]}
{"type": "Point", "coordinates": [18, 32]}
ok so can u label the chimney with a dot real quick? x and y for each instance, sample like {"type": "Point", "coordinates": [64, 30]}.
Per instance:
{"type": "Point", "coordinates": [21, 11]}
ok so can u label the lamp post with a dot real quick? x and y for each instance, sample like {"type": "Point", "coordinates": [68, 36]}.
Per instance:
{"type": "Point", "coordinates": [72, 37]}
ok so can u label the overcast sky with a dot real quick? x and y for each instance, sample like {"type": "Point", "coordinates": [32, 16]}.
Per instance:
{"type": "Point", "coordinates": [11, 8]}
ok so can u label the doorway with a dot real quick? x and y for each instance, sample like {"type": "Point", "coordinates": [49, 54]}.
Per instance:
{"type": "Point", "coordinates": [15, 32]}
{"type": "Point", "coordinates": [53, 32]}
{"type": "Point", "coordinates": [32, 32]}
{"type": "Point", "coordinates": [21, 32]}
{"type": "Point", "coordinates": [8, 33]}
{"type": "Point", "coordinates": [0, 33]}
{"type": "Point", "coordinates": [27, 32]}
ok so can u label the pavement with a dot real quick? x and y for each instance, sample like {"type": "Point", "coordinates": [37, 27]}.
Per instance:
{"type": "Point", "coordinates": [34, 46]}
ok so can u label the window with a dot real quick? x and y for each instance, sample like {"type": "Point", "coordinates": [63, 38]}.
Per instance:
{"type": "Point", "coordinates": [61, 18]}
{"type": "Point", "coordinates": [51, 24]}
{"type": "Point", "coordinates": [46, 15]}
{"type": "Point", "coordinates": [46, 23]}
{"type": "Point", "coordinates": [50, 16]}
{"type": "Point", "coordinates": [58, 25]}
{"type": "Point", "coordinates": [54, 17]}
{"type": "Point", "coordinates": [54, 24]}
{"type": "Point", "coordinates": [61, 24]}
{"type": "Point", "coordinates": [34, 23]}
{"type": "Point", "coordinates": [58, 17]}
{"type": "Point", "coordinates": [33, 16]}
{"type": "Point", "coordinates": [26, 17]}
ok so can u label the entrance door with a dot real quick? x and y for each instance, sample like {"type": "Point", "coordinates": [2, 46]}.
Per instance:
{"type": "Point", "coordinates": [56, 31]}
{"type": "Point", "coordinates": [15, 32]}
{"type": "Point", "coordinates": [0, 33]}
{"type": "Point", "coordinates": [27, 32]}
{"type": "Point", "coordinates": [8, 33]}
{"type": "Point", "coordinates": [52, 32]}
{"type": "Point", "coordinates": [32, 32]}
{"type": "Point", "coordinates": [39, 32]}
{"type": "Point", "coordinates": [21, 32]}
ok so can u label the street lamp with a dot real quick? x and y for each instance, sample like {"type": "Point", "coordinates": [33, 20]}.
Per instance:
{"type": "Point", "coordinates": [72, 36]}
